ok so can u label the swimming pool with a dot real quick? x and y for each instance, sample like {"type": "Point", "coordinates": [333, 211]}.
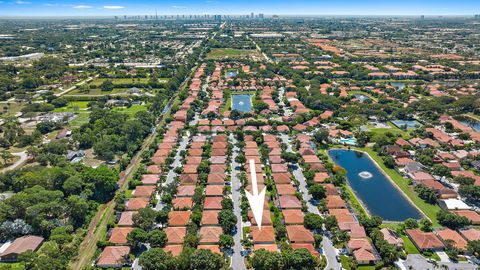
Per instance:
{"type": "Point", "coordinates": [410, 124]}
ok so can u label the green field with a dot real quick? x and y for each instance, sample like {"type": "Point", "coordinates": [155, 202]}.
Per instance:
{"type": "Point", "coordinates": [231, 53]}
{"type": "Point", "coordinates": [73, 106]}
{"type": "Point", "coordinates": [393, 129]}
{"type": "Point", "coordinates": [99, 81]}
{"type": "Point", "coordinates": [98, 92]}
{"type": "Point", "coordinates": [429, 210]}
{"type": "Point", "coordinates": [131, 111]}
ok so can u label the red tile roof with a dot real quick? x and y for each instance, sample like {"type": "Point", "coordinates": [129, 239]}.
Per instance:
{"type": "Point", "coordinates": [210, 235]}
{"type": "Point", "coordinates": [424, 240]}
{"type": "Point", "coordinates": [298, 234]}
{"type": "Point", "coordinates": [113, 256]}
{"type": "Point", "coordinates": [175, 235]}
{"type": "Point", "coordinates": [119, 235]}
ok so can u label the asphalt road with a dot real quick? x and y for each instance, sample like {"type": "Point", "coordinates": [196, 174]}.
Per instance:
{"type": "Point", "coordinates": [238, 262]}
{"type": "Point", "coordinates": [418, 262]}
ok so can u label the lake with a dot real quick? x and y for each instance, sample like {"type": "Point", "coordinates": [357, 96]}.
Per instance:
{"type": "Point", "coordinates": [377, 193]}
{"type": "Point", "coordinates": [242, 103]}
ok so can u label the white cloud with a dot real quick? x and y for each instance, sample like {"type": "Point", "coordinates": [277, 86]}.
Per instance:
{"type": "Point", "coordinates": [113, 7]}
{"type": "Point", "coordinates": [179, 7]}
{"type": "Point", "coordinates": [20, 2]}
{"type": "Point", "coordinates": [82, 7]}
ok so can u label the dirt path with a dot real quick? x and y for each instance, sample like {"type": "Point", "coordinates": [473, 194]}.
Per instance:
{"type": "Point", "coordinates": [23, 157]}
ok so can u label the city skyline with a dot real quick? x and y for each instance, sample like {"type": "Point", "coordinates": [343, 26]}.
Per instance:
{"type": "Point", "coordinates": [187, 7]}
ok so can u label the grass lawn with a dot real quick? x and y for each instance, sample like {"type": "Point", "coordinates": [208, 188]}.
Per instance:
{"type": "Point", "coordinates": [344, 262]}
{"type": "Point", "coordinates": [230, 53]}
{"type": "Point", "coordinates": [82, 118]}
{"type": "Point", "coordinates": [99, 81]}
{"type": "Point", "coordinates": [132, 110]}
{"type": "Point", "coordinates": [354, 202]}
{"type": "Point", "coordinates": [366, 267]}
{"type": "Point", "coordinates": [12, 266]}
{"type": "Point", "coordinates": [98, 92]}
{"type": "Point", "coordinates": [393, 129]}
{"type": "Point", "coordinates": [10, 108]}
{"type": "Point", "coordinates": [409, 246]}
{"type": "Point", "coordinates": [73, 106]}
{"type": "Point", "coordinates": [429, 210]}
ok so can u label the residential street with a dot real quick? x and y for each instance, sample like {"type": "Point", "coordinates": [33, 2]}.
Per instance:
{"type": "Point", "coordinates": [171, 173]}
{"type": "Point", "coordinates": [238, 262]}
{"type": "Point", "coordinates": [327, 246]}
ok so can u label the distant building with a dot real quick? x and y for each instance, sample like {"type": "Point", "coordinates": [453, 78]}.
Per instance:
{"type": "Point", "coordinates": [20, 245]}
{"type": "Point", "coordinates": [252, 15]}
{"type": "Point", "coordinates": [261, 16]}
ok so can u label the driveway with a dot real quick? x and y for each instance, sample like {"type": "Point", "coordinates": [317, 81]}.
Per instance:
{"type": "Point", "coordinates": [238, 261]}
{"type": "Point", "coordinates": [418, 262]}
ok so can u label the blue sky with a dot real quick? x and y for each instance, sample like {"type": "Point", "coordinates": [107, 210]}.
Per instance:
{"type": "Point", "coordinates": [286, 7]}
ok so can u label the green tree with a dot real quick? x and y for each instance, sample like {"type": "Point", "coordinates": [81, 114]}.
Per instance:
{"type": "Point", "coordinates": [144, 218]}
{"type": "Point", "coordinates": [206, 260]}
{"type": "Point", "coordinates": [266, 260]}
{"type": "Point", "coordinates": [228, 220]}
{"type": "Point", "coordinates": [157, 259]}
{"type": "Point", "coordinates": [157, 238]}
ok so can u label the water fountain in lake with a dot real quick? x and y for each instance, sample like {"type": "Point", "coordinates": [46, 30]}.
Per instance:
{"type": "Point", "coordinates": [365, 175]}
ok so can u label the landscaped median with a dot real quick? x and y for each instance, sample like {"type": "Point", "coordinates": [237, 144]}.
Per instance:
{"type": "Point", "coordinates": [430, 210]}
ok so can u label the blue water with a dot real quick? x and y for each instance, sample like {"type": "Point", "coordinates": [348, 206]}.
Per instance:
{"type": "Point", "coordinates": [378, 193]}
{"type": "Point", "coordinates": [231, 73]}
{"type": "Point", "coordinates": [411, 124]}
{"type": "Point", "coordinates": [349, 141]}
{"type": "Point", "coordinates": [242, 103]}
{"type": "Point", "coordinates": [398, 85]}
{"type": "Point", "coordinates": [362, 98]}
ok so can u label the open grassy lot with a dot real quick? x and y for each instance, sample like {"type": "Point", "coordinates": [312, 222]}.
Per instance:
{"type": "Point", "coordinates": [82, 118]}
{"type": "Point", "coordinates": [429, 210]}
{"type": "Point", "coordinates": [8, 108]}
{"type": "Point", "coordinates": [132, 110]}
{"type": "Point", "coordinates": [230, 53]}
{"type": "Point", "coordinates": [73, 106]}
{"type": "Point", "coordinates": [393, 129]}
{"type": "Point", "coordinates": [99, 81]}
{"type": "Point", "coordinates": [98, 92]}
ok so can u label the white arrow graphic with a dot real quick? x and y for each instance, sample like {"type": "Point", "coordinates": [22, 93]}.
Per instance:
{"type": "Point", "coordinates": [256, 200]}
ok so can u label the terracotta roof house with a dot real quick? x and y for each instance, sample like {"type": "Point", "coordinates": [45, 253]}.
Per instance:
{"type": "Point", "coordinates": [299, 234]}
{"type": "Point", "coordinates": [471, 215]}
{"type": "Point", "coordinates": [289, 202]}
{"type": "Point", "coordinates": [188, 179]}
{"type": "Point", "coordinates": [118, 235]}
{"type": "Point", "coordinates": [137, 203]}
{"type": "Point", "coordinates": [392, 237]}
{"type": "Point", "coordinates": [279, 168]}
{"type": "Point", "coordinates": [471, 234]}
{"type": "Point", "coordinates": [420, 176]}
{"type": "Point", "coordinates": [182, 203]}
{"type": "Point", "coordinates": [266, 218]}
{"type": "Point", "coordinates": [363, 251]}
{"type": "Point", "coordinates": [114, 257]}
{"type": "Point", "coordinates": [216, 179]}
{"type": "Point", "coordinates": [150, 179]}
{"type": "Point", "coordinates": [195, 152]}
{"type": "Point", "coordinates": [193, 159]}
{"type": "Point", "coordinates": [143, 191]}
{"type": "Point", "coordinates": [330, 189]}
{"type": "Point", "coordinates": [174, 249]}
{"type": "Point", "coordinates": [20, 245]}
{"type": "Point", "coordinates": [449, 235]}
{"type": "Point", "coordinates": [178, 218]}
{"type": "Point", "coordinates": [285, 189]}
{"type": "Point", "coordinates": [210, 235]}
{"type": "Point", "coordinates": [185, 191]}
{"type": "Point", "coordinates": [424, 240]}
{"type": "Point", "coordinates": [264, 236]}
{"type": "Point", "coordinates": [212, 203]}
{"type": "Point", "coordinates": [214, 190]}
{"type": "Point", "coordinates": [342, 215]}
{"type": "Point", "coordinates": [218, 152]}
{"type": "Point", "coordinates": [354, 229]}
{"type": "Point", "coordinates": [126, 219]}
{"type": "Point", "coordinates": [282, 178]}
{"type": "Point", "coordinates": [175, 235]}
{"type": "Point", "coordinates": [293, 216]}
{"type": "Point", "coordinates": [190, 168]}
{"type": "Point", "coordinates": [320, 177]}
{"type": "Point", "coordinates": [335, 201]}
{"type": "Point", "coordinates": [154, 169]}
{"type": "Point", "coordinates": [218, 159]}
{"type": "Point", "coordinates": [275, 159]}
{"type": "Point", "coordinates": [210, 217]}
{"type": "Point", "coordinates": [217, 169]}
